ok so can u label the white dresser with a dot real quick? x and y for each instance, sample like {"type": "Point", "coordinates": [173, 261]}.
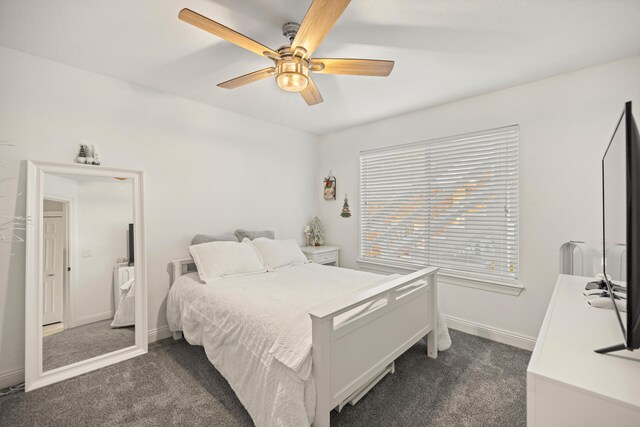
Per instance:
{"type": "Point", "coordinates": [323, 254]}
{"type": "Point", "coordinates": [568, 384]}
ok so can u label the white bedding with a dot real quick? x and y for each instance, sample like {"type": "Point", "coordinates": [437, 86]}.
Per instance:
{"type": "Point", "coordinates": [126, 312]}
{"type": "Point", "coordinates": [256, 331]}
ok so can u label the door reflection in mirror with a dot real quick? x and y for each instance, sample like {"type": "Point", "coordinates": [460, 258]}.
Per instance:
{"type": "Point", "coordinates": [88, 286]}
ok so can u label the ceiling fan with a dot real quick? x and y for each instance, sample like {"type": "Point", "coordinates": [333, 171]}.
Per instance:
{"type": "Point", "coordinates": [293, 63]}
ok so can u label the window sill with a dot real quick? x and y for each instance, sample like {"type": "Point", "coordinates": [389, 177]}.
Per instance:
{"type": "Point", "coordinates": [488, 284]}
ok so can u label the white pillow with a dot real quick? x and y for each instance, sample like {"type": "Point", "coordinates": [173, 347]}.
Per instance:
{"type": "Point", "coordinates": [276, 254]}
{"type": "Point", "coordinates": [220, 259]}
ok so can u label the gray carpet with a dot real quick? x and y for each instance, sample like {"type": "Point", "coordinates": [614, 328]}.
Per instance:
{"type": "Point", "coordinates": [475, 383]}
{"type": "Point", "coordinates": [84, 342]}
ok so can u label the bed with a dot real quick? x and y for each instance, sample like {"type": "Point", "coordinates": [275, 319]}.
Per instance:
{"type": "Point", "coordinates": [259, 330]}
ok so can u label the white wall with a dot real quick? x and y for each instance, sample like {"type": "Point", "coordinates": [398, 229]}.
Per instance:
{"type": "Point", "coordinates": [206, 169]}
{"type": "Point", "coordinates": [565, 124]}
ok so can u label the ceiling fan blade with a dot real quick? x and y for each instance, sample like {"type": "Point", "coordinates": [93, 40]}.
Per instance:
{"type": "Point", "coordinates": [248, 78]}
{"type": "Point", "coordinates": [317, 23]}
{"type": "Point", "coordinates": [311, 94]}
{"type": "Point", "coordinates": [356, 67]}
{"type": "Point", "coordinates": [204, 23]}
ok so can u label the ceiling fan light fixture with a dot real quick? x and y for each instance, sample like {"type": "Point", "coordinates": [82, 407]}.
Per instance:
{"type": "Point", "coordinates": [292, 82]}
{"type": "Point", "coordinates": [292, 75]}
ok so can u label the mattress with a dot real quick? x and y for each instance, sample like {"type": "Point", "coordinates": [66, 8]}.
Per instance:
{"type": "Point", "coordinates": [256, 331]}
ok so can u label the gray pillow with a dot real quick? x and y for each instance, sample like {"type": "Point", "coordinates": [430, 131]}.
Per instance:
{"type": "Point", "coordinates": [206, 238]}
{"type": "Point", "coordinates": [241, 234]}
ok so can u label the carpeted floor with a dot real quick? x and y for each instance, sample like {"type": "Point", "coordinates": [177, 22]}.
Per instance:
{"type": "Point", "coordinates": [475, 383]}
{"type": "Point", "coordinates": [84, 342]}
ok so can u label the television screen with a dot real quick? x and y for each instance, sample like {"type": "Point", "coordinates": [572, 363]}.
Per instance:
{"type": "Point", "coordinates": [633, 230]}
{"type": "Point", "coordinates": [614, 179]}
{"type": "Point", "coordinates": [131, 246]}
{"type": "Point", "coordinates": [621, 217]}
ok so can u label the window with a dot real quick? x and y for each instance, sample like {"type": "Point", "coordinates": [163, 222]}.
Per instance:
{"type": "Point", "coordinates": [451, 203]}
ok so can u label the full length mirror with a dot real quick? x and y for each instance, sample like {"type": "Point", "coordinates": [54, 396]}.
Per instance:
{"type": "Point", "coordinates": [88, 310]}
{"type": "Point", "coordinates": [85, 296]}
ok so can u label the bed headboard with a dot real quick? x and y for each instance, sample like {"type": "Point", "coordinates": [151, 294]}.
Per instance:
{"type": "Point", "coordinates": [181, 266]}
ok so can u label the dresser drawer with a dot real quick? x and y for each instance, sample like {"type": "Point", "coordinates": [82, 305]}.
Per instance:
{"type": "Point", "coordinates": [325, 258]}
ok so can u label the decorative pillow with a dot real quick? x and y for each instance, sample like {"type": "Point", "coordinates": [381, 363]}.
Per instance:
{"type": "Point", "coordinates": [251, 235]}
{"type": "Point", "coordinates": [221, 259]}
{"type": "Point", "coordinates": [205, 238]}
{"type": "Point", "coordinates": [276, 254]}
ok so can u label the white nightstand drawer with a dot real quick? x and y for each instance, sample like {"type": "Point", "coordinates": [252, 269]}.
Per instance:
{"type": "Point", "coordinates": [325, 258]}
{"type": "Point", "coordinates": [322, 254]}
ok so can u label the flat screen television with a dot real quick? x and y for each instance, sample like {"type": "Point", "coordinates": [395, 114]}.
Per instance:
{"type": "Point", "coordinates": [621, 225]}
{"type": "Point", "coordinates": [131, 246]}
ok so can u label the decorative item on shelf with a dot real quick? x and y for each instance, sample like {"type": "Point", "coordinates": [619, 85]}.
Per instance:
{"type": "Point", "coordinates": [308, 234]}
{"type": "Point", "coordinates": [82, 155]}
{"type": "Point", "coordinates": [96, 156]}
{"type": "Point", "coordinates": [346, 212]}
{"type": "Point", "coordinates": [330, 187]}
{"type": "Point", "coordinates": [89, 151]}
{"type": "Point", "coordinates": [317, 231]}
{"type": "Point", "coordinates": [88, 155]}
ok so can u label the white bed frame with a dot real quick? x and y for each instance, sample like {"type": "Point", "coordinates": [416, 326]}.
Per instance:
{"type": "Point", "coordinates": [349, 359]}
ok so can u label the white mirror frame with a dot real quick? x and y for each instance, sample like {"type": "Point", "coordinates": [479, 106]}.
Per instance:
{"type": "Point", "coordinates": [34, 375]}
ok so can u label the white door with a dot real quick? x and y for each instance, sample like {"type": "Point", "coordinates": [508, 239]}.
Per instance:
{"type": "Point", "coordinates": [53, 276]}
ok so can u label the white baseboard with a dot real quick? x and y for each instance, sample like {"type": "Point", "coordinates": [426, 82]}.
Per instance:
{"type": "Point", "coordinates": [11, 378]}
{"type": "Point", "coordinates": [85, 320]}
{"type": "Point", "coordinates": [159, 334]}
{"type": "Point", "coordinates": [489, 332]}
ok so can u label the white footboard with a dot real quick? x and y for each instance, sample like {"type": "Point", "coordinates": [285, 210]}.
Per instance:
{"type": "Point", "coordinates": [346, 357]}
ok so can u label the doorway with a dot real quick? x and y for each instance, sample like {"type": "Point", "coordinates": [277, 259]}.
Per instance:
{"type": "Point", "coordinates": [55, 223]}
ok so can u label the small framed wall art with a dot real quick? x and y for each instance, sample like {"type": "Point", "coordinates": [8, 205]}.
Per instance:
{"type": "Point", "coordinates": [330, 187]}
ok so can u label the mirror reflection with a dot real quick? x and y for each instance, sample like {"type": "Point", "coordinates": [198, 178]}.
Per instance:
{"type": "Point", "coordinates": [88, 287]}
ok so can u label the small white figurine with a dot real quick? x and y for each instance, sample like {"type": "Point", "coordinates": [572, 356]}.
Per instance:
{"type": "Point", "coordinates": [89, 151]}
{"type": "Point", "coordinates": [96, 156]}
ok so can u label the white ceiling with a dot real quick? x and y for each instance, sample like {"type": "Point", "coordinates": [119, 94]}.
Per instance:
{"type": "Point", "coordinates": [444, 49]}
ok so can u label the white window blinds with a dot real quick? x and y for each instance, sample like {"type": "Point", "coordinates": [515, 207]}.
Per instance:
{"type": "Point", "coordinates": [451, 203]}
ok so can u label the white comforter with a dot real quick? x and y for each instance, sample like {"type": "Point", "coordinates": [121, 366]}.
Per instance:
{"type": "Point", "coordinates": [256, 331]}
{"type": "Point", "coordinates": [126, 312]}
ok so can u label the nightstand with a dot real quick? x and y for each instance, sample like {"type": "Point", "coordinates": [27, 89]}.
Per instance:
{"type": "Point", "coordinates": [322, 254]}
